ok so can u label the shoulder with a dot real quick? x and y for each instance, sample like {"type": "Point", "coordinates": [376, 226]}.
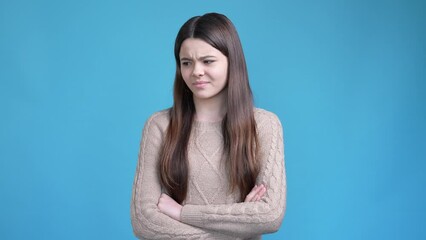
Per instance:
{"type": "Point", "coordinates": [269, 130]}
{"type": "Point", "coordinates": [264, 117]}
{"type": "Point", "coordinates": [159, 117]}
{"type": "Point", "coordinates": [158, 121]}
{"type": "Point", "coordinates": [268, 125]}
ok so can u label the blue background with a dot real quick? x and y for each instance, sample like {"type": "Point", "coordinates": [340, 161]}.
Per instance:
{"type": "Point", "coordinates": [347, 79]}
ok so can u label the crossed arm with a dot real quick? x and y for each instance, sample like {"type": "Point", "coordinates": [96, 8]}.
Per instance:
{"type": "Point", "coordinates": [156, 216]}
{"type": "Point", "coordinates": [171, 208]}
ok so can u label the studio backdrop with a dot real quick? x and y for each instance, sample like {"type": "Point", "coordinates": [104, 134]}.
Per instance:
{"type": "Point", "coordinates": [78, 80]}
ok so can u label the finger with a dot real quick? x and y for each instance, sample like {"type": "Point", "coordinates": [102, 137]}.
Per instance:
{"type": "Point", "coordinates": [256, 193]}
{"type": "Point", "coordinates": [261, 193]}
{"type": "Point", "coordinates": [251, 194]}
{"type": "Point", "coordinates": [160, 204]}
{"type": "Point", "coordinates": [165, 197]}
{"type": "Point", "coordinates": [162, 200]}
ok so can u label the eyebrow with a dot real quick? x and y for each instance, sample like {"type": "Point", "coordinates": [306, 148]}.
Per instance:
{"type": "Point", "coordinates": [202, 58]}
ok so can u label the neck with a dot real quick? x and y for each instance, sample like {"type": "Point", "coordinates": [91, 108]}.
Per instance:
{"type": "Point", "coordinates": [210, 110]}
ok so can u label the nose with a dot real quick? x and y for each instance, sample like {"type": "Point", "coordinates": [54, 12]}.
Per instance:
{"type": "Point", "coordinates": [198, 70]}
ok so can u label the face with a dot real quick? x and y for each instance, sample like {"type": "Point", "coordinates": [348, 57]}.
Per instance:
{"type": "Point", "coordinates": [204, 69]}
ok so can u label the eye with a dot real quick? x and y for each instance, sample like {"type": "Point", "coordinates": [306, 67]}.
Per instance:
{"type": "Point", "coordinates": [185, 63]}
{"type": "Point", "coordinates": [208, 61]}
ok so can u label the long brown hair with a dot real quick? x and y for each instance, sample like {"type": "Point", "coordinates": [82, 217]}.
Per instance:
{"type": "Point", "coordinates": [238, 125]}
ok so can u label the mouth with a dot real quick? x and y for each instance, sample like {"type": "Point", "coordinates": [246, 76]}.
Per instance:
{"type": "Point", "coordinates": [200, 84]}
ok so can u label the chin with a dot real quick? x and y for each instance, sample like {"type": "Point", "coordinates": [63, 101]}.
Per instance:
{"type": "Point", "coordinates": [204, 96]}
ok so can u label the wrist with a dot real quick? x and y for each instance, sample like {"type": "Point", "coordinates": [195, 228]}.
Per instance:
{"type": "Point", "coordinates": [179, 212]}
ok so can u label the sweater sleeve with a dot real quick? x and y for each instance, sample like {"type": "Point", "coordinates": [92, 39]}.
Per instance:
{"type": "Point", "coordinates": [252, 218]}
{"type": "Point", "coordinates": [147, 221]}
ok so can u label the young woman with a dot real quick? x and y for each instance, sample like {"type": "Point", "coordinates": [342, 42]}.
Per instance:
{"type": "Point", "coordinates": [212, 166]}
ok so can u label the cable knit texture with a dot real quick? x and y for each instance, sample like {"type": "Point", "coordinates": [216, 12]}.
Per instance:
{"type": "Point", "coordinates": [210, 211]}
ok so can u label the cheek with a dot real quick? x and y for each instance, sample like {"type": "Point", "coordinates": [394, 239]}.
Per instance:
{"type": "Point", "coordinates": [222, 74]}
{"type": "Point", "coordinates": [185, 75]}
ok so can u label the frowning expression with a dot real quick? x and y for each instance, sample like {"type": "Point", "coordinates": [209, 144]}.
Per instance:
{"type": "Point", "coordinates": [204, 69]}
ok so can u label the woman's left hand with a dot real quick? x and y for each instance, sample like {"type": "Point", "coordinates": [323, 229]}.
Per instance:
{"type": "Point", "coordinates": [256, 193]}
{"type": "Point", "coordinates": [169, 206]}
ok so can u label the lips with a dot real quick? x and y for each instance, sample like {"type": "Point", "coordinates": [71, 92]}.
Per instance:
{"type": "Point", "coordinates": [200, 83]}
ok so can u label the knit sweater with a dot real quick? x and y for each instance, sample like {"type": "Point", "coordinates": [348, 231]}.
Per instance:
{"type": "Point", "coordinates": [209, 211]}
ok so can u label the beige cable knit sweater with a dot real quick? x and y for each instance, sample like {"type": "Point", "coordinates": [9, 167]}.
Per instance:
{"type": "Point", "coordinates": [210, 211]}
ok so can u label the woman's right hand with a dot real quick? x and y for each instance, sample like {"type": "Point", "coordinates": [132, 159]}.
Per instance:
{"type": "Point", "coordinates": [256, 193]}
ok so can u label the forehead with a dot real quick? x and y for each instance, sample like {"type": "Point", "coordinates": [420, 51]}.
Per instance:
{"type": "Point", "coordinates": [195, 47]}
